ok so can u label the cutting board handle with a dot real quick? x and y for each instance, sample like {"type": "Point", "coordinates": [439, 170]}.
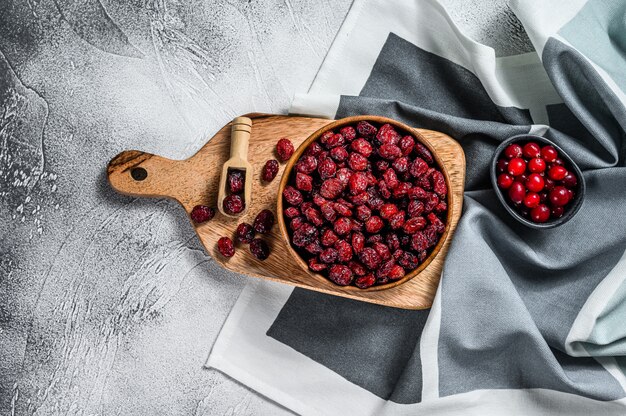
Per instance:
{"type": "Point", "coordinates": [137, 173]}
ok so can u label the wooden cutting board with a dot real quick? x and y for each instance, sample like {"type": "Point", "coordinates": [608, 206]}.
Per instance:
{"type": "Point", "coordinates": [195, 181]}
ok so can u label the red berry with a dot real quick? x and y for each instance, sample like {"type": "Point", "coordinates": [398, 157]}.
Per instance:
{"type": "Point", "coordinates": [532, 199]}
{"type": "Point", "coordinates": [244, 233]}
{"type": "Point", "coordinates": [292, 212]}
{"type": "Point", "coordinates": [363, 213]}
{"type": "Point", "coordinates": [264, 221]}
{"type": "Point", "coordinates": [559, 196]}
{"type": "Point", "coordinates": [358, 242]}
{"type": "Point", "coordinates": [366, 130]}
{"type": "Point", "coordinates": [344, 251]}
{"type": "Point", "coordinates": [259, 249]}
{"type": "Point", "coordinates": [370, 258]}
{"type": "Point", "coordinates": [270, 170]}
{"type": "Point", "coordinates": [387, 210]}
{"type": "Point", "coordinates": [202, 213]}
{"type": "Point", "coordinates": [396, 273]}
{"type": "Point", "coordinates": [339, 154]}
{"type": "Point", "coordinates": [234, 204]}
{"type": "Point", "coordinates": [343, 176]}
{"type": "Point", "coordinates": [306, 164]}
{"type": "Point", "coordinates": [557, 212]}
{"type": "Point", "coordinates": [389, 151]}
{"type": "Point", "coordinates": [505, 181]}
{"type": "Point", "coordinates": [540, 213]}
{"type": "Point", "coordinates": [570, 181]}
{"type": "Point", "coordinates": [517, 166]}
{"type": "Point", "coordinates": [343, 226]}
{"type": "Point", "coordinates": [517, 192]}
{"type": "Point", "coordinates": [401, 164]}
{"type": "Point", "coordinates": [537, 165]}
{"type": "Point", "coordinates": [413, 225]}
{"type": "Point", "coordinates": [328, 255]}
{"type": "Point", "coordinates": [348, 133]}
{"type": "Point", "coordinates": [362, 146]}
{"type": "Point", "coordinates": [292, 195]}
{"type": "Point", "coordinates": [513, 151]}
{"type": "Point", "coordinates": [549, 153]}
{"type": "Point", "coordinates": [390, 178]}
{"type": "Point", "coordinates": [357, 161]}
{"type": "Point", "coordinates": [502, 166]}
{"type": "Point", "coordinates": [284, 149]}
{"type": "Point", "coordinates": [374, 224]}
{"type": "Point", "coordinates": [327, 168]}
{"type": "Point", "coordinates": [340, 274]}
{"type": "Point", "coordinates": [331, 188]}
{"type": "Point", "coordinates": [387, 134]}
{"type": "Point", "coordinates": [423, 152]}
{"type": "Point", "coordinates": [236, 180]}
{"type": "Point", "coordinates": [304, 182]}
{"type": "Point", "coordinates": [557, 172]}
{"type": "Point", "coordinates": [548, 184]}
{"type": "Point", "coordinates": [531, 150]}
{"type": "Point", "coordinates": [366, 281]}
{"type": "Point", "coordinates": [535, 182]}
{"type": "Point", "coordinates": [358, 183]}
{"type": "Point", "coordinates": [226, 247]}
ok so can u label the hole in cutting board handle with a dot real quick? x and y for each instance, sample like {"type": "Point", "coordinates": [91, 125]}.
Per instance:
{"type": "Point", "coordinates": [139, 174]}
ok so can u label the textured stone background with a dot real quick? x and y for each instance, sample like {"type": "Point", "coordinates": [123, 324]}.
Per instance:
{"type": "Point", "coordinates": [108, 305]}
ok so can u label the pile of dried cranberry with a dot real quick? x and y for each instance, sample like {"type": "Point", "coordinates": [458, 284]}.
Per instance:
{"type": "Point", "coordinates": [365, 204]}
{"type": "Point", "coordinates": [536, 181]}
{"type": "Point", "coordinates": [235, 181]}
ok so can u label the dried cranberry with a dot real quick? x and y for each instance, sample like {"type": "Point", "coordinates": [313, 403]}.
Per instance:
{"type": "Point", "coordinates": [397, 220]}
{"type": "Point", "coordinates": [343, 176]}
{"type": "Point", "coordinates": [417, 193]}
{"type": "Point", "coordinates": [292, 195]}
{"type": "Point", "coordinates": [226, 247]}
{"type": "Point", "coordinates": [264, 221]}
{"type": "Point", "coordinates": [259, 249]}
{"type": "Point", "coordinates": [304, 182]}
{"type": "Point", "coordinates": [383, 189]}
{"type": "Point", "coordinates": [407, 144]}
{"type": "Point", "coordinates": [342, 209]}
{"type": "Point", "coordinates": [358, 183]}
{"type": "Point", "coordinates": [402, 189]}
{"type": "Point", "coordinates": [393, 242]}
{"type": "Point", "coordinates": [415, 208]}
{"type": "Point", "coordinates": [296, 223]}
{"type": "Point", "coordinates": [387, 210]}
{"type": "Point", "coordinates": [424, 153]}
{"type": "Point", "coordinates": [314, 247]}
{"type": "Point", "coordinates": [314, 217]}
{"type": "Point", "coordinates": [383, 271]}
{"type": "Point", "coordinates": [408, 260]}
{"type": "Point", "coordinates": [358, 242]}
{"type": "Point", "coordinates": [401, 164]}
{"type": "Point", "coordinates": [244, 233]}
{"type": "Point", "coordinates": [328, 237]}
{"type": "Point", "coordinates": [439, 183]}
{"type": "Point", "coordinates": [414, 225]}
{"type": "Point", "coordinates": [306, 164]}
{"type": "Point", "coordinates": [431, 202]}
{"type": "Point", "coordinates": [360, 199]}
{"type": "Point", "coordinates": [331, 188]}
{"type": "Point", "coordinates": [370, 258]}
{"type": "Point", "coordinates": [418, 167]}
{"type": "Point", "coordinates": [339, 154]}
{"type": "Point", "coordinates": [202, 213]}
{"type": "Point", "coordinates": [374, 224]}
{"type": "Point", "coordinates": [304, 234]}
{"type": "Point", "coordinates": [362, 146]}
{"type": "Point", "coordinates": [387, 134]}
{"type": "Point", "coordinates": [390, 178]}
{"type": "Point", "coordinates": [327, 168]}
{"type": "Point", "coordinates": [343, 226]}
{"type": "Point", "coordinates": [236, 179]}
{"type": "Point", "coordinates": [328, 255]}
{"type": "Point", "coordinates": [363, 213]}
{"type": "Point", "coordinates": [328, 212]}
{"type": "Point", "coordinates": [419, 241]}
{"type": "Point", "coordinates": [348, 133]}
{"type": "Point", "coordinates": [357, 268]}
{"type": "Point", "coordinates": [366, 281]}
{"type": "Point", "coordinates": [344, 251]}
{"type": "Point", "coordinates": [382, 250]}
{"type": "Point", "coordinates": [284, 149]}
{"type": "Point", "coordinates": [315, 265]}
{"type": "Point", "coordinates": [270, 170]}
{"type": "Point", "coordinates": [436, 223]}
{"type": "Point", "coordinates": [233, 204]}
{"type": "Point", "coordinates": [389, 151]}
{"type": "Point", "coordinates": [381, 165]}
{"type": "Point", "coordinates": [366, 130]}
{"type": "Point", "coordinates": [313, 150]}
{"type": "Point", "coordinates": [340, 274]}
{"type": "Point", "coordinates": [292, 212]}
{"type": "Point", "coordinates": [357, 161]}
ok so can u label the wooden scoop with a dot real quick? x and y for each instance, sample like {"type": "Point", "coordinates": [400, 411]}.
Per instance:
{"type": "Point", "coordinates": [239, 139]}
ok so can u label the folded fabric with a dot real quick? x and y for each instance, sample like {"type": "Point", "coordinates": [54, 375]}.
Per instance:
{"type": "Point", "coordinates": [527, 322]}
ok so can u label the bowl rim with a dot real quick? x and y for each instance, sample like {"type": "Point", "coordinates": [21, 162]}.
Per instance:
{"type": "Point", "coordinates": [578, 199]}
{"type": "Point", "coordinates": [342, 122]}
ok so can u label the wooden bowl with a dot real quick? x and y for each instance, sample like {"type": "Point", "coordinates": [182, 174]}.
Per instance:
{"type": "Point", "coordinates": [569, 163]}
{"type": "Point", "coordinates": [338, 125]}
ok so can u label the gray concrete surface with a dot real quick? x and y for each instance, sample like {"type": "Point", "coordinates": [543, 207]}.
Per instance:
{"type": "Point", "coordinates": [108, 305]}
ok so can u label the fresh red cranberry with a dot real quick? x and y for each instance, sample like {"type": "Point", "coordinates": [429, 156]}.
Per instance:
{"type": "Point", "coordinates": [540, 213]}
{"type": "Point", "coordinates": [517, 166]}
{"type": "Point", "coordinates": [340, 274]}
{"type": "Point", "coordinates": [259, 249]}
{"type": "Point", "coordinates": [570, 181]}
{"type": "Point", "coordinates": [234, 204]}
{"type": "Point", "coordinates": [535, 182]}
{"type": "Point", "coordinates": [559, 196]}
{"type": "Point", "coordinates": [502, 166]}
{"type": "Point", "coordinates": [558, 161]}
{"type": "Point", "coordinates": [537, 165]}
{"type": "Point", "coordinates": [202, 213]}
{"type": "Point", "coordinates": [505, 181]}
{"type": "Point", "coordinates": [270, 170]}
{"type": "Point", "coordinates": [226, 247]}
{"type": "Point", "coordinates": [557, 172]}
{"type": "Point", "coordinates": [532, 199]}
{"type": "Point", "coordinates": [244, 233]}
{"type": "Point", "coordinates": [557, 212]}
{"type": "Point", "coordinates": [517, 192]}
{"type": "Point", "coordinates": [513, 151]}
{"type": "Point", "coordinates": [284, 149]}
{"type": "Point", "coordinates": [531, 150]}
{"type": "Point", "coordinates": [264, 221]}
{"type": "Point", "coordinates": [548, 184]}
{"type": "Point", "coordinates": [549, 153]}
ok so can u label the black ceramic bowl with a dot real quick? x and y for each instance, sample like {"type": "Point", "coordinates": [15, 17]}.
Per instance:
{"type": "Point", "coordinates": [571, 209]}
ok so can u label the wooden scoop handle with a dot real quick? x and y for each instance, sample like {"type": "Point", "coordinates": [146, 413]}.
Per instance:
{"type": "Point", "coordinates": [239, 138]}
{"type": "Point", "coordinates": [138, 173]}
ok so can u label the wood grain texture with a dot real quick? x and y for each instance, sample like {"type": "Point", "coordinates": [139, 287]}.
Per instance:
{"type": "Point", "coordinates": [196, 181]}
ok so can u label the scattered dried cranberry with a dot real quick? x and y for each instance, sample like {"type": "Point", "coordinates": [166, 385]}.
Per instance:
{"type": "Point", "coordinates": [284, 149]}
{"type": "Point", "coordinates": [259, 249]}
{"type": "Point", "coordinates": [236, 180]}
{"type": "Point", "coordinates": [233, 204]}
{"type": "Point", "coordinates": [202, 213]}
{"type": "Point", "coordinates": [226, 247]}
{"type": "Point", "coordinates": [264, 221]}
{"type": "Point", "coordinates": [244, 233]}
{"type": "Point", "coordinates": [270, 170]}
